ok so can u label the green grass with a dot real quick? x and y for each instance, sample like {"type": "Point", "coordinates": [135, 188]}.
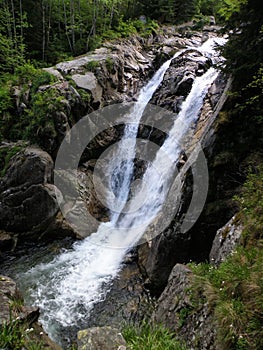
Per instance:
{"type": "Point", "coordinates": [17, 336]}
{"type": "Point", "coordinates": [234, 290]}
{"type": "Point", "coordinates": [147, 337]}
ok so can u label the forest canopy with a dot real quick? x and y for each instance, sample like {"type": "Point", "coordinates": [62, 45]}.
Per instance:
{"type": "Point", "coordinates": [49, 31]}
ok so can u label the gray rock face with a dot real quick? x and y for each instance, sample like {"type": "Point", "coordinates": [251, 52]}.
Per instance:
{"type": "Point", "coordinates": [89, 82]}
{"type": "Point", "coordinates": [27, 197]}
{"type": "Point", "coordinates": [104, 338]}
{"type": "Point", "coordinates": [110, 73]}
{"type": "Point", "coordinates": [172, 246]}
{"type": "Point", "coordinates": [176, 312]}
{"type": "Point", "coordinates": [226, 239]}
{"type": "Point", "coordinates": [8, 291]}
{"type": "Point", "coordinates": [6, 241]}
{"type": "Point", "coordinates": [179, 78]}
{"type": "Point", "coordinates": [126, 302]}
{"type": "Point", "coordinates": [12, 305]}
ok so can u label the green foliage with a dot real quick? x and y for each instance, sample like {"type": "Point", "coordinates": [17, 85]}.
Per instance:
{"type": "Point", "coordinates": [16, 335]}
{"type": "Point", "coordinates": [223, 10]}
{"type": "Point", "coordinates": [109, 64]}
{"type": "Point", "coordinates": [183, 314]}
{"type": "Point", "coordinates": [243, 52]}
{"type": "Point", "coordinates": [38, 120]}
{"type": "Point", "coordinates": [228, 8]}
{"type": "Point", "coordinates": [185, 10]}
{"type": "Point", "coordinates": [11, 336]}
{"type": "Point", "coordinates": [29, 123]}
{"type": "Point", "coordinates": [13, 22]}
{"type": "Point", "coordinates": [126, 28]}
{"type": "Point", "coordinates": [200, 21]}
{"type": "Point", "coordinates": [234, 290]}
{"type": "Point", "coordinates": [251, 202]}
{"type": "Point", "coordinates": [5, 98]}
{"type": "Point", "coordinates": [6, 153]}
{"type": "Point", "coordinates": [92, 65]}
{"type": "Point", "coordinates": [147, 337]}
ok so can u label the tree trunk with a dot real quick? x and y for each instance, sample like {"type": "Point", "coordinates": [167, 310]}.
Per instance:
{"type": "Point", "coordinates": [43, 31]}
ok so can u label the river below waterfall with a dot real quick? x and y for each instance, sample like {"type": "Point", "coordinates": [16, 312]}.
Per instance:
{"type": "Point", "coordinates": [66, 279]}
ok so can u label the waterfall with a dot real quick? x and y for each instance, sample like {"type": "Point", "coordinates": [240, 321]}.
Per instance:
{"type": "Point", "coordinates": [123, 170]}
{"type": "Point", "coordinates": [67, 288]}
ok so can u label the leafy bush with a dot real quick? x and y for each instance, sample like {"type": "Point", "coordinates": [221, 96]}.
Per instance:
{"type": "Point", "coordinates": [131, 27]}
{"type": "Point", "coordinates": [5, 98]}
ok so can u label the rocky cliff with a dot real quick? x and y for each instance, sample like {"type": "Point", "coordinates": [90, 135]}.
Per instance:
{"type": "Point", "coordinates": [28, 209]}
{"type": "Point", "coordinates": [113, 73]}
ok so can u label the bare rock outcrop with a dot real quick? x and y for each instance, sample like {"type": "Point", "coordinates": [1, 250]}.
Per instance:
{"type": "Point", "coordinates": [27, 197]}
{"type": "Point", "coordinates": [103, 338]}
{"type": "Point", "coordinates": [11, 304]}
{"type": "Point", "coordinates": [225, 241]}
{"type": "Point", "coordinates": [176, 311]}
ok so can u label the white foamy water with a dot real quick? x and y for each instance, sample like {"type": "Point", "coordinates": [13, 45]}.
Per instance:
{"type": "Point", "coordinates": [67, 288]}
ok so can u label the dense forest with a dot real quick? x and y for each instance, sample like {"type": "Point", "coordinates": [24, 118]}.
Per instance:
{"type": "Point", "coordinates": [40, 33]}
{"type": "Point", "coordinates": [36, 34]}
{"type": "Point", "coordinates": [46, 31]}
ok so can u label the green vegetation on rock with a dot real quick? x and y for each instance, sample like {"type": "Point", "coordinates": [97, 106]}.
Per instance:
{"type": "Point", "coordinates": [234, 290]}
{"type": "Point", "coordinates": [6, 153]}
{"type": "Point", "coordinates": [17, 335]}
{"type": "Point", "coordinates": [147, 337]}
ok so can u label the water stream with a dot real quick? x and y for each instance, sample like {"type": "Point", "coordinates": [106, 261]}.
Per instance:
{"type": "Point", "coordinates": [67, 287]}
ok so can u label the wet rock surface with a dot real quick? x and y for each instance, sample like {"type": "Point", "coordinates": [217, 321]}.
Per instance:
{"type": "Point", "coordinates": [179, 78]}
{"type": "Point", "coordinates": [126, 302]}
{"type": "Point", "coordinates": [158, 256]}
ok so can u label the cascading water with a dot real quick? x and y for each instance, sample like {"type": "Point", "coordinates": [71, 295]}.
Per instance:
{"type": "Point", "coordinates": [67, 288]}
{"type": "Point", "coordinates": [123, 170]}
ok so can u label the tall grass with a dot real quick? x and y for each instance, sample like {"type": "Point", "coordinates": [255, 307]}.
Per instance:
{"type": "Point", "coordinates": [151, 337]}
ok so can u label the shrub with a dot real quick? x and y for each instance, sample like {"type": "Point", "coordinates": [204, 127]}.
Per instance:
{"type": "Point", "coordinates": [5, 98]}
{"type": "Point", "coordinates": [109, 64]}
{"type": "Point", "coordinates": [92, 65]}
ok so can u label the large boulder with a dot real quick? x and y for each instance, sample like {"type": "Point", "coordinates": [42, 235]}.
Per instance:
{"type": "Point", "coordinates": [104, 338]}
{"type": "Point", "coordinates": [177, 311]}
{"type": "Point", "coordinates": [27, 197]}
